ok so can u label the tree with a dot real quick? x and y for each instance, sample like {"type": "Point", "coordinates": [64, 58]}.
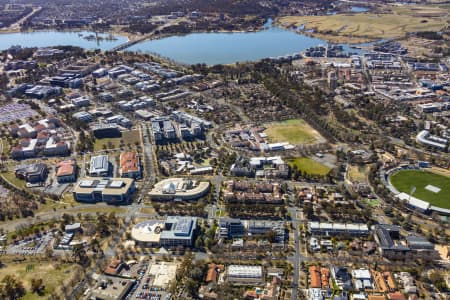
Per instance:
{"type": "Point", "coordinates": [11, 288]}
{"type": "Point", "coordinates": [37, 285]}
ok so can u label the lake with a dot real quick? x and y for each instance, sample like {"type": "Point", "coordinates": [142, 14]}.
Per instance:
{"type": "Point", "coordinates": [207, 47]}
{"type": "Point", "coordinates": [224, 48]}
{"type": "Point", "coordinates": [359, 9]}
{"type": "Point", "coordinates": [58, 38]}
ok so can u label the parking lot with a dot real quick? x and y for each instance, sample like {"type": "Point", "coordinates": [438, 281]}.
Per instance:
{"type": "Point", "coordinates": [31, 246]}
{"type": "Point", "coordinates": [144, 288]}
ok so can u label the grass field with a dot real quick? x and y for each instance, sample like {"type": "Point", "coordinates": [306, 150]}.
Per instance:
{"type": "Point", "coordinates": [128, 137]}
{"type": "Point", "coordinates": [53, 275]}
{"type": "Point", "coordinates": [358, 173]}
{"type": "Point", "coordinates": [309, 166]}
{"type": "Point", "coordinates": [403, 180]}
{"type": "Point", "coordinates": [395, 22]}
{"type": "Point", "coordinates": [11, 178]}
{"type": "Point", "coordinates": [372, 202]}
{"type": "Point", "coordinates": [294, 131]}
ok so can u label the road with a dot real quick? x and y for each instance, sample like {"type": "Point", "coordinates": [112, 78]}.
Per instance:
{"type": "Point", "coordinates": [296, 261]}
{"type": "Point", "coordinates": [146, 36]}
{"type": "Point", "coordinates": [16, 26]}
{"type": "Point", "coordinates": [148, 155]}
{"type": "Point", "coordinates": [132, 210]}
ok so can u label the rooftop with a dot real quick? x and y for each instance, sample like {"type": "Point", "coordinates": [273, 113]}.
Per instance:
{"type": "Point", "coordinates": [112, 186]}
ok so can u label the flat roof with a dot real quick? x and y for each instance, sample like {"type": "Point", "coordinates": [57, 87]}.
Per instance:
{"type": "Point", "coordinates": [245, 271]}
{"type": "Point", "coordinates": [108, 186]}
{"type": "Point", "coordinates": [163, 273]}
{"type": "Point", "coordinates": [181, 228]}
{"type": "Point", "coordinates": [99, 164]}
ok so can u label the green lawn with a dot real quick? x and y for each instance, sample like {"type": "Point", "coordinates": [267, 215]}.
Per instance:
{"type": "Point", "coordinates": [403, 180]}
{"type": "Point", "coordinates": [372, 202]}
{"type": "Point", "coordinates": [309, 166]}
{"type": "Point", "coordinates": [128, 137]}
{"type": "Point", "coordinates": [294, 131]}
{"type": "Point", "coordinates": [12, 179]}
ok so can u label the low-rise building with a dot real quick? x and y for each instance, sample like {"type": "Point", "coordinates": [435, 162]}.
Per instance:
{"type": "Point", "coordinates": [318, 228]}
{"type": "Point", "coordinates": [33, 173]}
{"type": "Point", "coordinates": [230, 228]}
{"type": "Point", "coordinates": [342, 277]}
{"type": "Point", "coordinates": [362, 279]}
{"type": "Point", "coordinates": [179, 189]}
{"type": "Point", "coordinates": [112, 288]}
{"type": "Point", "coordinates": [109, 190]}
{"type": "Point", "coordinates": [261, 227]}
{"type": "Point", "coordinates": [83, 116]}
{"type": "Point", "coordinates": [99, 166]}
{"type": "Point", "coordinates": [241, 274]}
{"type": "Point", "coordinates": [130, 165]}
{"type": "Point", "coordinates": [72, 228]}
{"type": "Point", "coordinates": [66, 171]}
{"type": "Point", "coordinates": [173, 232]}
{"type": "Point", "coordinates": [393, 246]}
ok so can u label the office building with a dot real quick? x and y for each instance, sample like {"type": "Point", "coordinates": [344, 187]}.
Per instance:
{"type": "Point", "coordinates": [66, 171]}
{"type": "Point", "coordinates": [328, 229]}
{"type": "Point", "coordinates": [109, 190]}
{"type": "Point", "coordinates": [173, 232]}
{"type": "Point", "coordinates": [33, 173]}
{"type": "Point", "coordinates": [262, 227]}
{"type": "Point", "coordinates": [99, 166]}
{"type": "Point", "coordinates": [230, 228]}
{"type": "Point", "coordinates": [179, 189]}
{"type": "Point", "coordinates": [130, 166]}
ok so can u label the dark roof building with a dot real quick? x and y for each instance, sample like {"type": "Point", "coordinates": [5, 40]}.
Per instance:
{"type": "Point", "coordinates": [33, 173]}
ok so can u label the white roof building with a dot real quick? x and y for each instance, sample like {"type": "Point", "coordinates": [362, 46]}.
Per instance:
{"type": "Point", "coordinates": [242, 271]}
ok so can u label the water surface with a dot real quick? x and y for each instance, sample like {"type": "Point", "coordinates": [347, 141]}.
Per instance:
{"type": "Point", "coordinates": [58, 38]}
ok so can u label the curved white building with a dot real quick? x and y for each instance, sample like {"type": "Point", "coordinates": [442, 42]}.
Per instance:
{"type": "Point", "coordinates": [427, 139]}
{"type": "Point", "coordinates": [179, 189]}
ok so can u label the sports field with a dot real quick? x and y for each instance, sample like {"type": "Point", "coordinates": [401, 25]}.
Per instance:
{"type": "Point", "coordinates": [394, 22]}
{"type": "Point", "coordinates": [295, 131]}
{"type": "Point", "coordinates": [309, 166]}
{"type": "Point", "coordinates": [403, 180]}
